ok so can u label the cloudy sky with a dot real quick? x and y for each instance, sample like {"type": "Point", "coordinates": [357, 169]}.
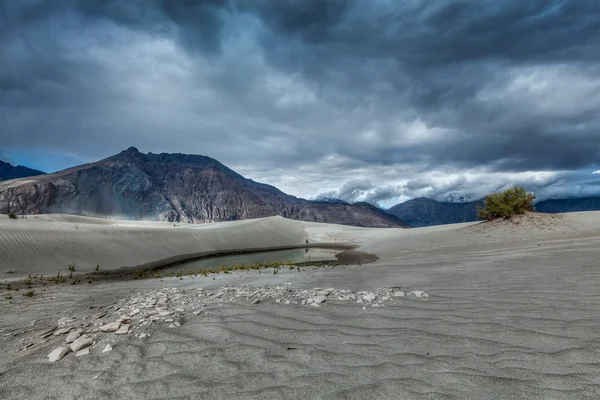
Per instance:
{"type": "Point", "coordinates": [376, 100]}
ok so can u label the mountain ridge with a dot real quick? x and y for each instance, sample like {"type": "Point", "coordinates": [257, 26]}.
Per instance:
{"type": "Point", "coordinates": [9, 171]}
{"type": "Point", "coordinates": [171, 187]}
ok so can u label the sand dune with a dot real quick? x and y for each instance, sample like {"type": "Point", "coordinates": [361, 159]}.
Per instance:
{"type": "Point", "coordinates": [48, 243]}
{"type": "Point", "coordinates": [513, 313]}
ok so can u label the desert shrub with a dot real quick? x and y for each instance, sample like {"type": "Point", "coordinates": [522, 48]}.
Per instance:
{"type": "Point", "coordinates": [12, 216]}
{"type": "Point", "coordinates": [514, 201]}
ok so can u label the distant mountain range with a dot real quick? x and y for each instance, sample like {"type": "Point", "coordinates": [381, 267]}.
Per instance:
{"type": "Point", "coordinates": [172, 187]}
{"type": "Point", "coordinates": [8, 171]}
{"type": "Point", "coordinates": [427, 212]}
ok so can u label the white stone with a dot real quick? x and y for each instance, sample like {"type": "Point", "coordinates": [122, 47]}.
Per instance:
{"type": "Point", "coordinates": [319, 299]}
{"type": "Point", "coordinates": [143, 335]}
{"type": "Point", "coordinates": [73, 335]}
{"type": "Point", "coordinates": [80, 343]}
{"type": "Point", "coordinates": [315, 305]}
{"type": "Point", "coordinates": [123, 330]}
{"type": "Point", "coordinates": [110, 327]}
{"type": "Point", "coordinates": [65, 320]}
{"type": "Point", "coordinates": [418, 294]}
{"type": "Point", "coordinates": [107, 348]}
{"type": "Point", "coordinates": [398, 293]}
{"type": "Point", "coordinates": [83, 352]}
{"type": "Point", "coordinates": [57, 354]}
{"type": "Point", "coordinates": [369, 297]}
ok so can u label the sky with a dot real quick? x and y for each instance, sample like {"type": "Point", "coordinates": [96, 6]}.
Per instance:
{"type": "Point", "coordinates": [373, 100]}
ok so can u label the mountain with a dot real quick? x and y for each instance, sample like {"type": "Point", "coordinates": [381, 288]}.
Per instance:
{"type": "Point", "coordinates": [8, 171]}
{"type": "Point", "coordinates": [426, 212]}
{"type": "Point", "coordinates": [568, 205]}
{"type": "Point", "coordinates": [331, 200]}
{"type": "Point", "coordinates": [171, 187]}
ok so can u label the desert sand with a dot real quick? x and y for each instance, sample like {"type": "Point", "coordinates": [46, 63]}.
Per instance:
{"type": "Point", "coordinates": [513, 312]}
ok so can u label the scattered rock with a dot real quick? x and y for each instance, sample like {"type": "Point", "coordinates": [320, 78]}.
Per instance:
{"type": "Point", "coordinates": [110, 327]}
{"type": "Point", "coordinates": [83, 352]}
{"type": "Point", "coordinates": [57, 354]}
{"type": "Point", "coordinates": [123, 330]}
{"type": "Point", "coordinates": [418, 294]}
{"type": "Point", "coordinates": [369, 297]}
{"type": "Point", "coordinates": [73, 335]}
{"type": "Point", "coordinates": [80, 343]}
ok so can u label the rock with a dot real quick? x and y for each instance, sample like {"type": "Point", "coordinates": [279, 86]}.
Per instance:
{"type": "Point", "coordinates": [319, 299]}
{"type": "Point", "coordinates": [398, 293]}
{"type": "Point", "coordinates": [164, 313]}
{"type": "Point", "coordinates": [73, 335]}
{"type": "Point", "coordinates": [80, 343]}
{"type": "Point", "coordinates": [197, 312]}
{"type": "Point", "coordinates": [177, 324]}
{"type": "Point", "coordinates": [62, 331]}
{"type": "Point", "coordinates": [57, 354]}
{"type": "Point", "coordinates": [110, 327]}
{"type": "Point", "coordinates": [315, 305]}
{"type": "Point", "coordinates": [65, 320]}
{"type": "Point", "coordinates": [418, 294]}
{"type": "Point", "coordinates": [134, 312]}
{"type": "Point", "coordinates": [107, 348]}
{"type": "Point", "coordinates": [369, 297]}
{"type": "Point", "coordinates": [83, 352]}
{"type": "Point", "coordinates": [123, 330]}
{"type": "Point", "coordinates": [142, 335]}
{"type": "Point", "coordinates": [256, 301]}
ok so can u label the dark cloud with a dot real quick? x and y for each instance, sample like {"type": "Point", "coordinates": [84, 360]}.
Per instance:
{"type": "Point", "coordinates": [365, 100]}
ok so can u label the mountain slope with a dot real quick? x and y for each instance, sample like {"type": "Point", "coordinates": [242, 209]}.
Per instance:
{"type": "Point", "coordinates": [568, 205]}
{"type": "Point", "coordinates": [426, 212]}
{"type": "Point", "coordinates": [8, 171]}
{"type": "Point", "coordinates": [170, 187]}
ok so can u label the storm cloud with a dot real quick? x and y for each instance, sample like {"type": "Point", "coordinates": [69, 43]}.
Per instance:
{"type": "Point", "coordinates": [377, 101]}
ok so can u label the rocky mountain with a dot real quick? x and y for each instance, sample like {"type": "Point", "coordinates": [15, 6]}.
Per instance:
{"type": "Point", "coordinates": [8, 171]}
{"type": "Point", "coordinates": [568, 205]}
{"type": "Point", "coordinates": [171, 187]}
{"type": "Point", "coordinates": [426, 212]}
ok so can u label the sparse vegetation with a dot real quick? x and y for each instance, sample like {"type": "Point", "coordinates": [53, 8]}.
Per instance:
{"type": "Point", "coordinates": [506, 204]}
{"type": "Point", "coordinates": [12, 216]}
{"type": "Point", "coordinates": [72, 267]}
{"type": "Point", "coordinates": [29, 293]}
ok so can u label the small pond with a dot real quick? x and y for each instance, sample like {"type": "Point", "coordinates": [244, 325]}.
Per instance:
{"type": "Point", "coordinates": [283, 256]}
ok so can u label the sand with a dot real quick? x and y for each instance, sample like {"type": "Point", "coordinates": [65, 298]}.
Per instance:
{"type": "Point", "coordinates": [513, 313]}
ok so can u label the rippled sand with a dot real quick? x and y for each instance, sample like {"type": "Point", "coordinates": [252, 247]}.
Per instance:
{"type": "Point", "coordinates": [513, 313]}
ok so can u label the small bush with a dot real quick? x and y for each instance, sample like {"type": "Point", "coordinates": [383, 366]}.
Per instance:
{"type": "Point", "coordinates": [12, 216]}
{"type": "Point", "coordinates": [30, 293]}
{"type": "Point", "coordinates": [506, 204]}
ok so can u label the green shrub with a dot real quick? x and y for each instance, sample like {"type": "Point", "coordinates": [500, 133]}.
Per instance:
{"type": "Point", "coordinates": [12, 216]}
{"type": "Point", "coordinates": [514, 201]}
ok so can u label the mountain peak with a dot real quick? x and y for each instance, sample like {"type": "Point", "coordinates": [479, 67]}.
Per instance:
{"type": "Point", "coordinates": [131, 150]}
